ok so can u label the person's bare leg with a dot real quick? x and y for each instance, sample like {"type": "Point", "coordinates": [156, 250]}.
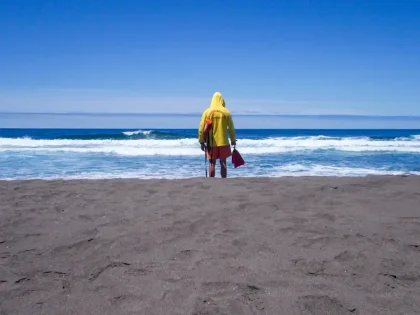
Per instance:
{"type": "Point", "coordinates": [212, 168]}
{"type": "Point", "coordinates": [223, 168]}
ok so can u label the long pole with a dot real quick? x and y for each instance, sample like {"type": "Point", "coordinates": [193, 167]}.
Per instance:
{"type": "Point", "coordinates": [205, 161]}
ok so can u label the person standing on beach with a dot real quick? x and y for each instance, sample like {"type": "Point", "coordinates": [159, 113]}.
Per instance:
{"type": "Point", "coordinates": [213, 134]}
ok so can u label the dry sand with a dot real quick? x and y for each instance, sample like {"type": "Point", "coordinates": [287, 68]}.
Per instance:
{"type": "Point", "coordinates": [210, 246]}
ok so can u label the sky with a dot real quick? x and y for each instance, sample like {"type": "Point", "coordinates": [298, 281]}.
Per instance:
{"type": "Point", "coordinates": [285, 57]}
{"type": "Point", "coordinates": [191, 121]}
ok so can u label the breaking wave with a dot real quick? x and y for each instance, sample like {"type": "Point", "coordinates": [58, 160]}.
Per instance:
{"type": "Point", "coordinates": [128, 135]}
{"type": "Point", "coordinates": [149, 143]}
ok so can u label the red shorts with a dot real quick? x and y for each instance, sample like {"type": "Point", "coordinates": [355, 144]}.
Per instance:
{"type": "Point", "coordinates": [222, 153]}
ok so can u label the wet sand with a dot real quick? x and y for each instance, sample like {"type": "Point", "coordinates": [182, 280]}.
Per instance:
{"type": "Point", "coordinates": [200, 246]}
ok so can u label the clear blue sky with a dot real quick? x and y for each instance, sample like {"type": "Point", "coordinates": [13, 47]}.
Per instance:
{"type": "Point", "coordinates": [300, 57]}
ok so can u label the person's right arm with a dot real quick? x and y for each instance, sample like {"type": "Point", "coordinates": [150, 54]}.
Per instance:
{"type": "Point", "coordinates": [232, 131]}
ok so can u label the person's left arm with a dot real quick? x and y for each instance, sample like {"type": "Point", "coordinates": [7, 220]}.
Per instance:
{"type": "Point", "coordinates": [201, 131]}
{"type": "Point", "coordinates": [201, 128]}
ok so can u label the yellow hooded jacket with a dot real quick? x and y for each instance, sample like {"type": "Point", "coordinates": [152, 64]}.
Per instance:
{"type": "Point", "coordinates": [221, 118]}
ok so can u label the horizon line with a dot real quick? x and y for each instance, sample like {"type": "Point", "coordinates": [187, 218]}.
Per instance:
{"type": "Point", "coordinates": [249, 114]}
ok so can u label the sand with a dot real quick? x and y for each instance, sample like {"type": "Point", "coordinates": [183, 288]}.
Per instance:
{"type": "Point", "coordinates": [211, 246]}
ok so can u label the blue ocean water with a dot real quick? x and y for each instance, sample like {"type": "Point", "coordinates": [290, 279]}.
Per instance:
{"type": "Point", "coordinates": [165, 153]}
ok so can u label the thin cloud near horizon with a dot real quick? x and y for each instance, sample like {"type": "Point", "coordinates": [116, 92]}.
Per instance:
{"type": "Point", "coordinates": [120, 102]}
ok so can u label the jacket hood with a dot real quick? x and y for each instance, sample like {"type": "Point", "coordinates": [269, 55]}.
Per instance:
{"type": "Point", "coordinates": [217, 100]}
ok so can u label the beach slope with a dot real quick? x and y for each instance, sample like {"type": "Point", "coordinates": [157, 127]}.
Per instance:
{"type": "Point", "coordinates": [200, 246]}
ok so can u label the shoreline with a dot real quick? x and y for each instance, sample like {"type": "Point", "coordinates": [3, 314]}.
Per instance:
{"type": "Point", "coordinates": [236, 178]}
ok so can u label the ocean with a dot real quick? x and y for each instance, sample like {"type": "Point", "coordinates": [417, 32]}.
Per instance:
{"type": "Point", "coordinates": [175, 153]}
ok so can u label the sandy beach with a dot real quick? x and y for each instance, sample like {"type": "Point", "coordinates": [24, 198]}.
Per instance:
{"type": "Point", "coordinates": [200, 246]}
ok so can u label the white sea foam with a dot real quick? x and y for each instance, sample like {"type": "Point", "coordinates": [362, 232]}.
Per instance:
{"type": "Point", "coordinates": [137, 132]}
{"type": "Point", "coordinates": [327, 170]}
{"type": "Point", "coordinates": [292, 169]}
{"type": "Point", "coordinates": [147, 147]}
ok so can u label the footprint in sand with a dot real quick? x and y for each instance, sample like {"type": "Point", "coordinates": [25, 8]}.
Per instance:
{"type": "Point", "coordinates": [229, 298]}
{"type": "Point", "coordinates": [322, 304]}
{"type": "Point", "coordinates": [128, 302]}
